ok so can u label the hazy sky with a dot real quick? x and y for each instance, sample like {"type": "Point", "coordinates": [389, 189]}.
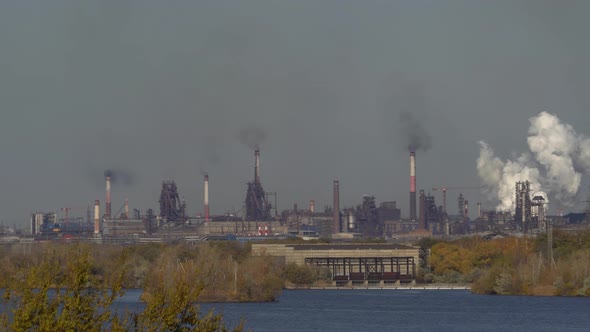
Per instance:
{"type": "Point", "coordinates": [161, 89]}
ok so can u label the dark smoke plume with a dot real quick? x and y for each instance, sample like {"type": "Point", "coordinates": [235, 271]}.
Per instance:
{"type": "Point", "coordinates": [120, 177]}
{"type": "Point", "coordinates": [417, 136]}
{"type": "Point", "coordinates": [406, 106]}
{"type": "Point", "coordinates": [252, 137]}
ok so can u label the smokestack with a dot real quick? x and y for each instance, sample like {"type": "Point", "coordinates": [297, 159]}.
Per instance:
{"type": "Point", "coordinates": [206, 200]}
{"type": "Point", "coordinates": [412, 184]}
{"type": "Point", "coordinates": [479, 216]}
{"type": "Point", "coordinates": [336, 208]}
{"type": "Point", "coordinates": [96, 216]}
{"type": "Point", "coordinates": [126, 208]}
{"type": "Point", "coordinates": [466, 210]}
{"type": "Point", "coordinates": [107, 213]}
{"type": "Point", "coordinates": [257, 166]}
{"type": "Point", "coordinates": [422, 220]}
{"type": "Point", "coordinates": [312, 206]}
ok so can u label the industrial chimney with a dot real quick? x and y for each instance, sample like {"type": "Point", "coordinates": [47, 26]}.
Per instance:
{"type": "Point", "coordinates": [108, 201]}
{"type": "Point", "coordinates": [312, 206]}
{"type": "Point", "coordinates": [422, 219]}
{"type": "Point", "coordinates": [336, 208]}
{"type": "Point", "coordinates": [96, 217]}
{"type": "Point", "coordinates": [479, 215]}
{"type": "Point", "coordinates": [257, 166]}
{"type": "Point", "coordinates": [126, 208]}
{"type": "Point", "coordinates": [412, 184]}
{"type": "Point", "coordinates": [206, 198]}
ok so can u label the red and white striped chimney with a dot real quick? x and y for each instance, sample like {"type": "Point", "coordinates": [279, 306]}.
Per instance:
{"type": "Point", "coordinates": [412, 184]}
{"type": "Point", "coordinates": [312, 206]}
{"type": "Point", "coordinates": [108, 198]}
{"type": "Point", "coordinates": [96, 216]}
{"type": "Point", "coordinates": [206, 198]}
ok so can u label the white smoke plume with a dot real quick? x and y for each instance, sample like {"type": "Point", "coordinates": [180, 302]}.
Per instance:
{"type": "Point", "coordinates": [554, 145]}
{"type": "Point", "coordinates": [559, 157]}
{"type": "Point", "coordinates": [582, 160]}
{"type": "Point", "coordinates": [500, 177]}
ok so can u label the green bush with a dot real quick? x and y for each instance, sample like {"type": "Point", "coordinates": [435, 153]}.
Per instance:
{"type": "Point", "coordinates": [300, 274]}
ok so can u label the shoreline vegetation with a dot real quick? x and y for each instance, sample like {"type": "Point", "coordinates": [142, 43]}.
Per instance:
{"type": "Point", "coordinates": [87, 278]}
{"type": "Point", "coordinates": [512, 265]}
{"type": "Point", "coordinates": [73, 287]}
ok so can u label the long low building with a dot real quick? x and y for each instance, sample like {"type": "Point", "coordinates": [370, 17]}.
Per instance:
{"type": "Point", "coordinates": [350, 263]}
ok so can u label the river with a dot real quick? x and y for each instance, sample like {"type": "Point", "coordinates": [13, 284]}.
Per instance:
{"type": "Point", "coordinates": [403, 310]}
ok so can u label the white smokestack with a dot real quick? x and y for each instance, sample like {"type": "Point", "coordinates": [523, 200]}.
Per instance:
{"type": "Point", "coordinates": [96, 216]}
{"type": "Point", "coordinates": [108, 197]}
{"type": "Point", "coordinates": [126, 208]}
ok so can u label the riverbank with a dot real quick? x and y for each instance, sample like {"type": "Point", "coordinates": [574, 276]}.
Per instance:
{"type": "Point", "coordinates": [389, 287]}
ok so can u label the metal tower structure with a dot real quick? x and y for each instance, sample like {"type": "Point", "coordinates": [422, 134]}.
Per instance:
{"type": "Point", "coordinates": [523, 204]}
{"type": "Point", "coordinates": [257, 206]}
{"type": "Point", "coordinates": [461, 205]}
{"type": "Point", "coordinates": [171, 207]}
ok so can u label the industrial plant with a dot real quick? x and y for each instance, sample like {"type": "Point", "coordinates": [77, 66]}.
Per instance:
{"type": "Point", "coordinates": [347, 255]}
{"type": "Point", "coordinates": [368, 219]}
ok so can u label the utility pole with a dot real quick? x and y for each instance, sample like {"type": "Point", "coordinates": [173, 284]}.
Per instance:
{"type": "Point", "coordinates": [550, 242]}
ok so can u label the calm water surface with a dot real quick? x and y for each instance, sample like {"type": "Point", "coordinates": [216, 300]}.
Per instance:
{"type": "Point", "coordinates": [403, 310]}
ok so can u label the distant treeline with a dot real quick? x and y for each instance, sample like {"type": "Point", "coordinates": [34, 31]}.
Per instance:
{"type": "Point", "coordinates": [516, 266]}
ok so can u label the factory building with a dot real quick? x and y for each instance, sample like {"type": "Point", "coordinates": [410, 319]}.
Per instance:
{"type": "Point", "coordinates": [42, 222]}
{"type": "Point", "coordinates": [350, 264]}
{"type": "Point", "coordinates": [308, 222]}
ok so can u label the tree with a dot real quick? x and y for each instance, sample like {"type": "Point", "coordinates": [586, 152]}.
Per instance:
{"type": "Point", "coordinates": [65, 293]}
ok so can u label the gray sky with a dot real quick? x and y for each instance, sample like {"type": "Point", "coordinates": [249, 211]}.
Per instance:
{"type": "Point", "coordinates": [162, 88]}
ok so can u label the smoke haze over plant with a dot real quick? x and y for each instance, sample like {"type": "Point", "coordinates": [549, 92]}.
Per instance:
{"type": "Point", "coordinates": [338, 88]}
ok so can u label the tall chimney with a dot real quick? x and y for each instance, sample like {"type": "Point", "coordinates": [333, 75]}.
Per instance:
{"type": "Point", "coordinates": [126, 208]}
{"type": "Point", "coordinates": [412, 184]}
{"type": "Point", "coordinates": [107, 213]}
{"type": "Point", "coordinates": [257, 166]}
{"type": "Point", "coordinates": [422, 219]}
{"type": "Point", "coordinates": [336, 208]}
{"type": "Point", "coordinates": [479, 215]}
{"type": "Point", "coordinates": [206, 199]}
{"type": "Point", "coordinates": [312, 206]}
{"type": "Point", "coordinates": [96, 216]}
